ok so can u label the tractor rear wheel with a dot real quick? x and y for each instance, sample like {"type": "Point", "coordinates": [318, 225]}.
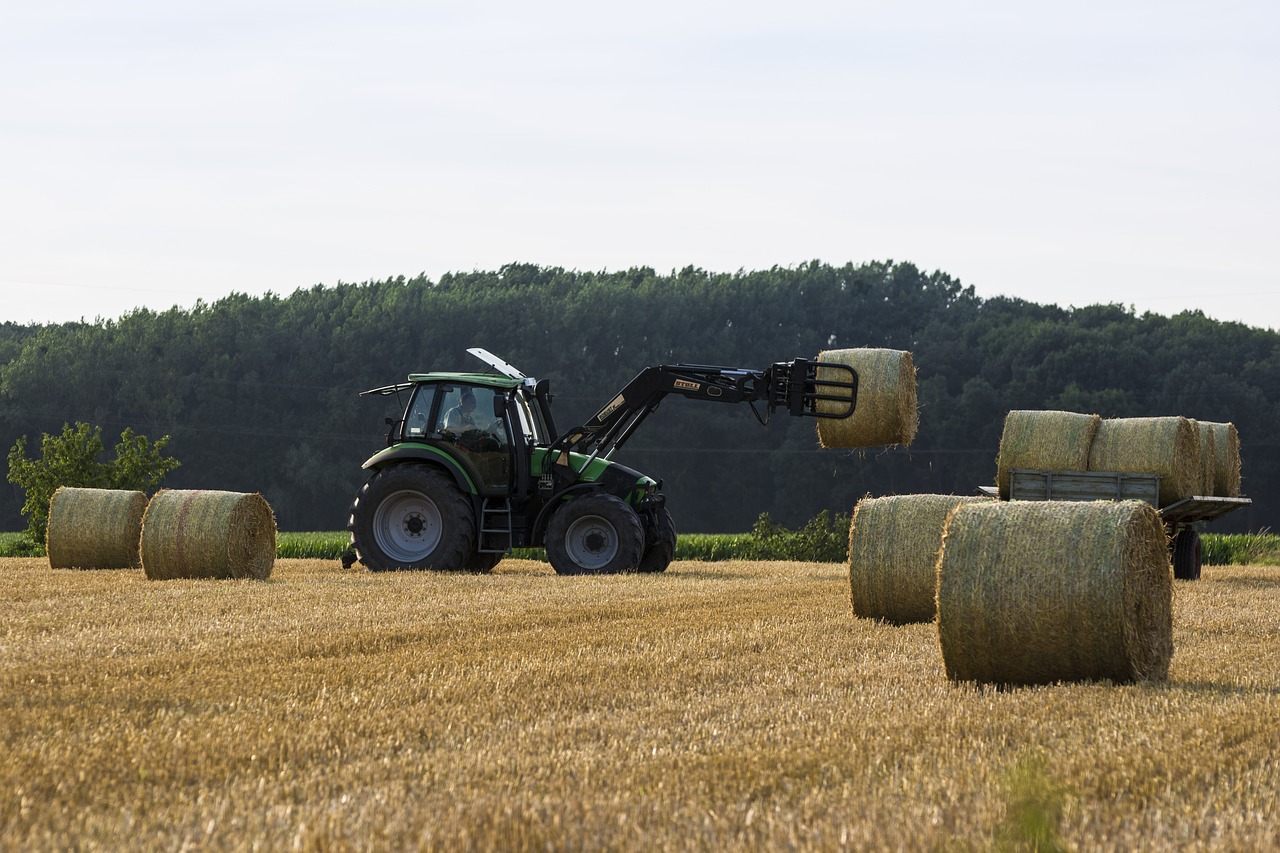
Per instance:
{"type": "Point", "coordinates": [596, 534]}
{"type": "Point", "coordinates": [659, 543]}
{"type": "Point", "coordinates": [412, 517]}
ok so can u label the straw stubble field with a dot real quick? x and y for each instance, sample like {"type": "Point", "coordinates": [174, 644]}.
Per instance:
{"type": "Point", "coordinates": [718, 706]}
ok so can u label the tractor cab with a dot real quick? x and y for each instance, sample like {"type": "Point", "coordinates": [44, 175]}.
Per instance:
{"type": "Point", "coordinates": [480, 426]}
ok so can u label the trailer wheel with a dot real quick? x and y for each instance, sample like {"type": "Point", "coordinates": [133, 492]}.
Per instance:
{"type": "Point", "coordinates": [1186, 555]}
{"type": "Point", "coordinates": [596, 534]}
{"type": "Point", "coordinates": [660, 543]}
{"type": "Point", "coordinates": [412, 517]}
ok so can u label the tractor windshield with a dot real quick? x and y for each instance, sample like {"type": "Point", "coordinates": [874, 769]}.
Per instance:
{"type": "Point", "coordinates": [531, 420]}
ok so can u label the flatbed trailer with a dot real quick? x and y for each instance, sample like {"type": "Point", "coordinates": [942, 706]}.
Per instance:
{"type": "Point", "coordinates": [1180, 517]}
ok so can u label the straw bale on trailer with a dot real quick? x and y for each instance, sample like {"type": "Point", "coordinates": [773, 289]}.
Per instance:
{"type": "Point", "coordinates": [886, 410]}
{"type": "Point", "coordinates": [1044, 440]}
{"type": "Point", "coordinates": [1226, 463]}
{"type": "Point", "coordinates": [1033, 592]}
{"type": "Point", "coordinates": [94, 528]}
{"type": "Point", "coordinates": [1208, 455]}
{"type": "Point", "coordinates": [208, 534]}
{"type": "Point", "coordinates": [893, 555]}
{"type": "Point", "coordinates": [1167, 446]}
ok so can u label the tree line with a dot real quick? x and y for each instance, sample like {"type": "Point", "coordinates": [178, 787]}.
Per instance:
{"type": "Point", "coordinates": [261, 393]}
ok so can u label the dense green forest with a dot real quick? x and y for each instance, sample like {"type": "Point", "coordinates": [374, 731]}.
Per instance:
{"type": "Point", "coordinates": [260, 393]}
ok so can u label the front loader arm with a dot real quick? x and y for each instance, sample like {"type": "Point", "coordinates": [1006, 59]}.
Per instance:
{"type": "Point", "coordinates": [791, 385]}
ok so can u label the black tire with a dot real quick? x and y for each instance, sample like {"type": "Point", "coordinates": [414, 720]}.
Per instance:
{"type": "Point", "coordinates": [596, 534]}
{"type": "Point", "coordinates": [483, 563]}
{"type": "Point", "coordinates": [412, 517]}
{"type": "Point", "coordinates": [1186, 555]}
{"type": "Point", "coordinates": [659, 543]}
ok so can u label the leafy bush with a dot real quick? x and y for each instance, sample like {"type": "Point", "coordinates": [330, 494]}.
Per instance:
{"type": "Point", "coordinates": [823, 539]}
{"type": "Point", "coordinates": [19, 545]}
{"type": "Point", "coordinates": [71, 459]}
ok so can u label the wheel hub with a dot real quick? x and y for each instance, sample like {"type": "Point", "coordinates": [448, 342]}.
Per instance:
{"type": "Point", "coordinates": [407, 526]}
{"type": "Point", "coordinates": [591, 542]}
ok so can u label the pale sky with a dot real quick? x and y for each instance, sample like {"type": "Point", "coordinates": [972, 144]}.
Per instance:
{"type": "Point", "coordinates": [153, 153]}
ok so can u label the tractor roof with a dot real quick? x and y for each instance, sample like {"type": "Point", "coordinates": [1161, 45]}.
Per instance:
{"type": "Point", "coordinates": [487, 379]}
{"type": "Point", "coordinates": [470, 378]}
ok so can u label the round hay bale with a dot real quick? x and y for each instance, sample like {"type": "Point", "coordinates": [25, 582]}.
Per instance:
{"type": "Point", "coordinates": [893, 555]}
{"type": "Point", "coordinates": [208, 534]}
{"type": "Point", "coordinates": [1033, 592]}
{"type": "Point", "coordinates": [886, 410]}
{"type": "Point", "coordinates": [1208, 455]}
{"type": "Point", "coordinates": [1226, 460]}
{"type": "Point", "coordinates": [94, 528]}
{"type": "Point", "coordinates": [1168, 446]}
{"type": "Point", "coordinates": [1045, 441]}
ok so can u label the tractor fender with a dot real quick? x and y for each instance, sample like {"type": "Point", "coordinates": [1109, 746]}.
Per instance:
{"type": "Point", "coordinates": [423, 453]}
{"type": "Point", "coordinates": [553, 503]}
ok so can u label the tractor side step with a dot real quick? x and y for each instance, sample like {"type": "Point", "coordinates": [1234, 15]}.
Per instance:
{"type": "Point", "coordinates": [495, 526]}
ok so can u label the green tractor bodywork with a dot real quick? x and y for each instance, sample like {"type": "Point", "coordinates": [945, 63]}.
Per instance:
{"type": "Point", "coordinates": [474, 467]}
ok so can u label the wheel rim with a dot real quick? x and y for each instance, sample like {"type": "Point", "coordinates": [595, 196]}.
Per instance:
{"type": "Point", "coordinates": [407, 526]}
{"type": "Point", "coordinates": [591, 542]}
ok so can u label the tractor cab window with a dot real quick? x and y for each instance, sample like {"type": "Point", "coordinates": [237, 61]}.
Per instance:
{"type": "Point", "coordinates": [531, 421]}
{"type": "Point", "coordinates": [466, 418]}
{"type": "Point", "coordinates": [468, 408]}
{"type": "Point", "coordinates": [417, 418]}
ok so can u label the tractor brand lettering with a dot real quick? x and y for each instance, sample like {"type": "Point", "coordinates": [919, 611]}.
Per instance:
{"type": "Point", "coordinates": [611, 408]}
{"type": "Point", "coordinates": [687, 385]}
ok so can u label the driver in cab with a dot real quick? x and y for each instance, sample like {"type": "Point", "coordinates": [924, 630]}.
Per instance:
{"type": "Point", "coordinates": [462, 417]}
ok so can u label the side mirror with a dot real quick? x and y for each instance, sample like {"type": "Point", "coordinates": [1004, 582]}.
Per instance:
{"type": "Point", "coordinates": [499, 405]}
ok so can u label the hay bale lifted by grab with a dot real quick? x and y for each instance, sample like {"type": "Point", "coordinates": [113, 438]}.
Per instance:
{"type": "Point", "coordinates": [1044, 440]}
{"type": "Point", "coordinates": [1226, 460]}
{"type": "Point", "coordinates": [94, 528]}
{"type": "Point", "coordinates": [893, 555]}
{"type": "Point", "coordinates": [886, 410]}
{"type": "Point", "coordinates": [1167, 446]}
{"type": "Point", "coordinates": [208, 534]}
{"type": "Point", "coordinates": [1033, 592]}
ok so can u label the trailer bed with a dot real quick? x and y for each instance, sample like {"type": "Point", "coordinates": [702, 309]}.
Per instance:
{"type": "Point", "coordinates": [1179, 517]}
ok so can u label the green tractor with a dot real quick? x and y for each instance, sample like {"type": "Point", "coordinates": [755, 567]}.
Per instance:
{"type": "Point", "coordinates": [475, 467]}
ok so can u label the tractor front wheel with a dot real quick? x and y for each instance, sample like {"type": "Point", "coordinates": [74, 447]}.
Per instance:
{"type": "Point", "coordinates": [660, 542]}
{"type": "Point", "coordinates": [595, 534]}
{"type": "Point", "coordinates": [412, 517]}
